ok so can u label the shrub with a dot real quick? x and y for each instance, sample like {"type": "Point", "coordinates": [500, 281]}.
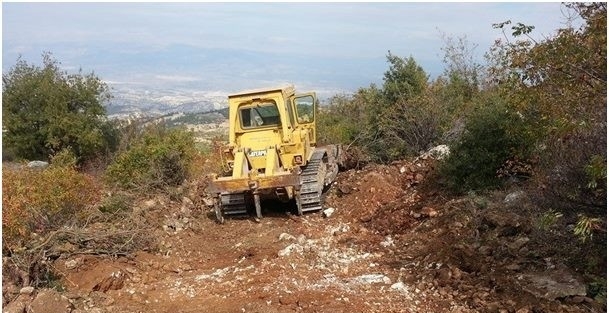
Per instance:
{"type": "Point", "coordinates": [156, 159]}
{"type": "Point", "coordinates": [342, 121]}
{"type": "Point", "coordinates": [586, 225]}
{"type": "Point", "coordinates": [573, 172]}
{"type": "Point", "coordinates": [64, 158]}
{"type": "Point", "coordinates": [115, 203]}
{"type": "Point", "coordinates": [413, 126]}
{"type": "Point", "coordinates": [383, 132]}
{"type": "Point", "coordinates": [403, 118]}
{"type": "Point", "coordinates": [50, 212]}
{"type": "Point", "coordinates": [560, 83]}
{"type": "Point", "coordinates": [492, 135]}
{"type": "Point", "coordinates": [36, 201]}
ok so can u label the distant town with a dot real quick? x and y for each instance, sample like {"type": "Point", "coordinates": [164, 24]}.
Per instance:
{"type": "Point", "coordinates": [144, 102]}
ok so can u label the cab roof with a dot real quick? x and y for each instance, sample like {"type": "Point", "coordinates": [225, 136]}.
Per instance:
{"type": "Point", "coordinates": [289, 90]}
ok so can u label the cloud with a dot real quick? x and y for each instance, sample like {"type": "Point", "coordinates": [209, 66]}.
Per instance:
{"type": "Point", "coordinates": [349, 29]}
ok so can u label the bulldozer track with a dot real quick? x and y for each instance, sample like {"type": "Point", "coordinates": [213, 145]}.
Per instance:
{"type": "Point", "coordinates": [312, 183]}
{"type": "Point", "coordinates": [233, 203]}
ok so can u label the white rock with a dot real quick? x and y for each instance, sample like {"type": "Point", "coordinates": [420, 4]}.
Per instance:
{"type": "Point", "coordinates": [372, 279]}
{"type": "Point", "coordinates": [302, 239]}
{"type": "Point", "coordinates": [340, 228]}
{"type": "Point", "coordinates": [513, 196]}
{"type": "Point", "coordinates": [291, 248]}
{"type": "Point", "coordinates": [208, 202]}
{"type": "Point", "coordinates": [286, 236]}
{"type": "Point", "coordinates": [187, 203]}
{"type": "Point", "coordinates": [328, 212]}
{"type": "Point", "coordinates": [38, 164]}
{"type": "Point", "coordinates": [388, 242]}
{"type": "Point", "coordinates": [439, 152]}
{"type": "Point", "coordinates": [399, 286]}
{"type": "Point", "coordinates": [173, 226]}
{"type": "Point", "coordinates": [26, 290]}
{"type": "Point", "coordinates": [149, 204]}
{"type": "Point", "coordinates": [74, 263]}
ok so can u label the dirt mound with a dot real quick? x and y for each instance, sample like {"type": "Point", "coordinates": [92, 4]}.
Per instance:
{"type": "Point", "coordinates": [386, 198]}
{"type": "Point", "coordinates": [477, 250]}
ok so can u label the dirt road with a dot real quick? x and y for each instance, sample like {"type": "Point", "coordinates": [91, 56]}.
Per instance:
{"type": "Point", "coordinates": [283, 264]}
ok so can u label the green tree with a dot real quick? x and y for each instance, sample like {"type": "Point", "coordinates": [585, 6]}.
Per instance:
{"type": "Point", "coordinates": [399, 111]}
{"type": "Point", "coordinates": [340, 121]}
{"type": "Point", "coordinates": [462, 75]}
{"type": "Point", "coordinates": [459, 61]}
{"type": "Point", "coordinates": [391, 122]}
{"type": "Point", "coordinates": [562, 79]}
{"type": "Point", "coordinates": [403, 80]}
{"type": "Point", "coordinates": [46, 110]}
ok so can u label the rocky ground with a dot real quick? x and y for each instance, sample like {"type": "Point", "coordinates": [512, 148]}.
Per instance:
{"type": "Point", "coordinates": [387, 243]}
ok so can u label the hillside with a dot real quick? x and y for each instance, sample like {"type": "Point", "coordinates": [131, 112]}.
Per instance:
{"type": "Point", "coordinates": [392, 244]}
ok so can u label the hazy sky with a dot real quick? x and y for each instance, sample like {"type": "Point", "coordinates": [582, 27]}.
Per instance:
{"type": "Point", "coordinates": [230, 46]}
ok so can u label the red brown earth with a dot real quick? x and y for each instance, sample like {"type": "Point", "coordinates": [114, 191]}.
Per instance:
{"type": "Point", "coordinates": [392, 244]}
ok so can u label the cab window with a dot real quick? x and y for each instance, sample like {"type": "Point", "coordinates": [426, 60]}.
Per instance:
{"type": "Point", "coordinates": [305, 109]}
{"type": "Point", "coordinates": [260, 115]}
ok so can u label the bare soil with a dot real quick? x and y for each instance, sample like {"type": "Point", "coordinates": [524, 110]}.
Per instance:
{"type": "Point", "coordinates": [392, 244]}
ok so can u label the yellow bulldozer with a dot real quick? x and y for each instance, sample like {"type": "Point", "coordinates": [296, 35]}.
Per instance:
{"type": "Point", "coordinates": [272, 153]}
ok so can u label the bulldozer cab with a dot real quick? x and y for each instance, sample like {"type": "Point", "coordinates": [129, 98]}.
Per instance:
{"type": "Point", "coordinates": [259, 119]}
